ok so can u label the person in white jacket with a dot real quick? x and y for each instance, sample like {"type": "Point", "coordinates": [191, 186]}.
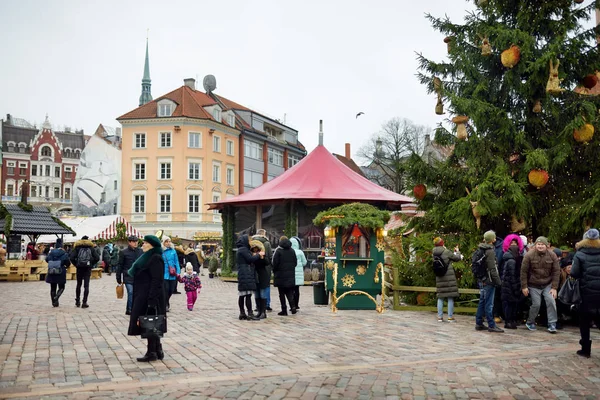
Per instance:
{"type": "Point", "coordinates": [299, 268]}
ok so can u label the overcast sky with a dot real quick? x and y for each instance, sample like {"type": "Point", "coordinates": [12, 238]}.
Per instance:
{"type": "Point", "coordinates": [81, 62]}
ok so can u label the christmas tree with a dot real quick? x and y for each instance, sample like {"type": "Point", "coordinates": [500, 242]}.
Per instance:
{"type": "Point", "coordinates": [517, 87]}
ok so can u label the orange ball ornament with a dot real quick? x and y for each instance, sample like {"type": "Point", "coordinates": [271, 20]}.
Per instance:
{"type": "Point", "coordinates": [589, 81]}
{"type": "Point", "coordinates": [584, 134]}
{"type": "Point", "coordinates": [420, 191]}
{"type": "Point", "coordinates": [538, 178]}
{"type": "Point", "coordinates": [511, 56]}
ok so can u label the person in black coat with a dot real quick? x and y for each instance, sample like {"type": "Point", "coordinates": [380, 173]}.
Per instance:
{"type": "Point", "coordinates": [246, 276]}
{"type": "Point", "coordinates": [148, 294]}
{"type": "Point", "coordinates": [192, 258]}
{"type": "Point", "coordinates": [126, 259]}
{"type": "Point", "coordinates": [586, 268]}
{"type": "Point", "coordinates": [284, 270]}
{"type": "Point", "coordinates": [57, 280]}
{"type": "Point", "coordinates": [263, 277]}
{"type": "Point", "coordinates": [511, 285]}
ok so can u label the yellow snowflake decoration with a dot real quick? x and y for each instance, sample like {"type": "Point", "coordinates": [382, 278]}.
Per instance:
{"type": "Point", "coordinates": [330, 265]}
{"type": "Point", "coordinates": [361, 270]}
{"type": "Point", "coordinates": [380, 245]}
{"type": "Point", "coordinates": [348, 280]}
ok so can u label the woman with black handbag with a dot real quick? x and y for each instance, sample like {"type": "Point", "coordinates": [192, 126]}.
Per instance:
{"type": "Point", "coordinates": [148, 296]}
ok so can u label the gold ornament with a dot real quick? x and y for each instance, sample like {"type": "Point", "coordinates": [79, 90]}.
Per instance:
{"type": "Point", "coordinates": [348, 280]}
{"type": "Point", "coordinates": [517, 224]}
{"type": "Point", "coordinates": [380, 245]}
{"type": "Point", "coordinates": [553, 85]}
{"type": "Point", "coordinates": [511, 56]}
{"type": "Point", "coordinates": [437, 87]}
{"type": "Point", "coordinates": [486, 47]}
{"type": "Point", "coordinates": [475, 210]}
{"type": "Point", "coordinates": [439, 107]}
{"type": "Point", "coordinates": [584, 134]}
{"type": "Point", "coordinates": [537, 107]}
{"type": "Point", "coordinates": [379, 268]}
{"type": "Point", "coordinates": [361, 270]}
{"type": "Point", "coordinates": [330, 264]}
{"type": "Point", "coordinates": [461, 129]}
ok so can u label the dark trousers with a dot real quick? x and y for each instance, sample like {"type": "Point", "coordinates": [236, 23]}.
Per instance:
{"type": "Point", "coordinates": [154, 345]}
{"type": "Point", "coordinates": [296, 295]}
{"type": "Point", "coordinates": [510, 311]}
{"type": "Point", "coordinates": [289, 293]}
{"type": "Point", "coordinates": [53, 287]}
{"type": "Point", "coordinates": [585, 319]}
{"type": "Point", "coordinates": [498, 304]}
{"type": "Point", "coordinates": [169, 285]}
{"type": "Point", "coordinates": [83, 276]}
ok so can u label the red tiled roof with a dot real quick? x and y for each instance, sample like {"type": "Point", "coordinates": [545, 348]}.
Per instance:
{"type": "Point", "coordinates": [348, 162]}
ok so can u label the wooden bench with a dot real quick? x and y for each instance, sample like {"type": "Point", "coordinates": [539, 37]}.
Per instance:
{"type": "Point", "coordinates": [96, 273]}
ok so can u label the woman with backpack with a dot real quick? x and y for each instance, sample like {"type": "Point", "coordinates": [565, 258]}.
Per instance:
{"type": "Point", "coordinates": [445, 282]}
{"type": "Point", "coordinates": [58, 262]}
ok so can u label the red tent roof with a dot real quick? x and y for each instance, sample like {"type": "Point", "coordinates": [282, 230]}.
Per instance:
{"type": "Point", "coordinates": [321, 177]}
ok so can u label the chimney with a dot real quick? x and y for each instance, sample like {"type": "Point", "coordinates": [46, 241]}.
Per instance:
{"type": "Point", "coordinates": [378, 144]}
{"type": "Point", "coordinates": [427, 139]}
{"type": "Point", "coordinates": [320, 132]}
{"type": "Point", "coordinates": [118, 132]}
{"type": "Point", "coordinates": [190, 82]}
{"type": "Point", "coordinates": [348, 154]}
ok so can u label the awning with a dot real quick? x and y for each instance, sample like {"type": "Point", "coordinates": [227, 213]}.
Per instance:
{"type": "Point", "coordinates": [104, 227]}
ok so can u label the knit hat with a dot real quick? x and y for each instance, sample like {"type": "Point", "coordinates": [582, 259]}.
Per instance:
{"type": "Point", "coordinates": [165, 238]}
{"type": "Point", "coordinates": [557, 251]}
{"type": "Point", "coordinates": [188, 266]}
{"type": "Point", "coordinates": [489, 236]}
{"type": "Point", "coordinates": [132, 238]}
{"type": "Point", "coordinates": [438, 241]}
{"type": "Point", "coordinates": [523, 239]}
{"type": "Point", "coordinates": [153, 240]}
{"type": "Point", "coordinates": [58, 243]}
{"type": "Point", "coordinates": [542, 239]}
{"type": "Point", "coordinates": [592, 234]}
{"type": "Point", "coordinates": [84, 237]}
{"type": "Point", "coordinates": [565, 262]}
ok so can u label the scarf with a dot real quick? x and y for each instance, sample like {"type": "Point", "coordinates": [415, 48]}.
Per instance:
{"type": "Point", "coordinates": [141, 263]}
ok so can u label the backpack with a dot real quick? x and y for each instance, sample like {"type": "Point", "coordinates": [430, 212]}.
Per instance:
{"type": "Point", "coordinates": [55, 267]}
{"type": "Point", "coordinates": [478, 267]}
{"type": "Point", "coordinates": [439, 267]}
{"type": "Point", "coordinates": [84, 257]}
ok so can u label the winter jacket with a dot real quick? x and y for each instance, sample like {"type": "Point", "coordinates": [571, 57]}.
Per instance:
{"type": "Point", "coordinates": [284, 265]}
{"type": "Point", "coordinates": [446, 286]}
{"type": "Point", "coordinates": [539, 270]}
{"type": "Point", "coordinates": [245, 265]}
{"type": "Point", "coordinates": [268, 248]}
{"type": "Point", "coordinates": [192, 258]}
{"type": "Point", "coordinates": [490, 264]}
{"type": "Point", "coordinates": [148, 291]}
{"type": "Point", "coordinates": [586, 267]}
{"type": "Point", "coordinates": [300, 262]}
{"type": "Point", "coordinates": [126, 259]}
{"type": "Point", "coordinates": [74, 255]}
{"type": "Point", "coordinates": [263, 271]}
{"type": "Point", "coordinates": [180, 255]}
{"type": "Point", "coordinates": [510, 238]}
{"type": "Point", "coordinates": [170, 259]}
{"type": "Point", "coordinates": [511, 278]}
{"type": "Point", "coordinates": [106, 255]}
{"type": "Point", "coordinates": [114, 256]}
{"type": "Point", "coordinates": [62, 256]}
{"type": "Point", "coordinates": [191, 282]}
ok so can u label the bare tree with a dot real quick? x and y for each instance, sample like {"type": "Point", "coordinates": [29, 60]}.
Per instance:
{"type": "Point", "coordinates": [387, 151]}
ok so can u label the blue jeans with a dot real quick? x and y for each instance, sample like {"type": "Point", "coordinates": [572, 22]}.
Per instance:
{"type": "Point", "coordinates": [486, 305]}
{"type": "Point", "coordinates": [440, 305]}
{"type": "Point", "coordinates": [268, 295]}
{"type": "Point", "coordinates": [129, 287]}
{"type": "Point", "coordinates": [261, 294]}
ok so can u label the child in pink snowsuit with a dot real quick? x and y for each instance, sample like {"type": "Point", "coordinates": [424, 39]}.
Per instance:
{"type": "Point", "coordinates": [192, 285]}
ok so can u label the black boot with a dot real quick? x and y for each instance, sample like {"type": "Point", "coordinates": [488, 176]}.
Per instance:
{"type": "Point", "coordinates": [151, 351]}
{"type": "Point", "coordinates": [54, 300]}
{"type": "Point", "coordinates": [263, 309]}
{"type": "Point", "coordinates": [59, 293]}
{"type": "Point", "coordinates": [586, 349]}
{"type": "Point", "coordinates": [160, 354]}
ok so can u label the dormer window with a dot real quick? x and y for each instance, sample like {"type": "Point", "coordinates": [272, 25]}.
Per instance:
{"type": "Point", "coordinates": [22, 147]}
{"type": "Point", "coordinates": [46, 151]}
{"type": "Point", "coordinates": [165, 108]}
{"type": "Point", "coordinates": [11, 147]}
{"type": "Point", "coordinates": [217, 115]}
{"type": "Point", "coordinates": [231, 120]}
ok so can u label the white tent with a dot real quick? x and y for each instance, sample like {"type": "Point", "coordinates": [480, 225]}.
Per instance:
{"type": "Point", "coordinates": [104, 227]}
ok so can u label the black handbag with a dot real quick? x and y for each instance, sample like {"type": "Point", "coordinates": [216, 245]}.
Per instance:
{"type": "Point", "coordinates": [152, 325]}
{"type": "Point", "coordinates": [569, 293]}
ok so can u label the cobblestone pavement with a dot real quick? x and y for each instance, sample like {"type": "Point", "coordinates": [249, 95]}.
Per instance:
{"type": "Point", "coordinates": [69, 352]}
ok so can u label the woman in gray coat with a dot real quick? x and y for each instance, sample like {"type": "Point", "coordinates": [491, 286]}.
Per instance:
{"type": "Point", "coordinates": [446, 286]}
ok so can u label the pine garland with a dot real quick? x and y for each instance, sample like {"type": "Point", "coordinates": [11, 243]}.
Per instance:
{"type": "Point", "coordinates": [365, 215]}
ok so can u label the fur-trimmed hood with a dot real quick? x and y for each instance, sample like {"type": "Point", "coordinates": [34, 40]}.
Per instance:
{"type": "Point", "coordinates": [510, 238]}
{"type": "Point", "coordinates": [189, 251]}
{"type": "Point", "coordinates": [588, 243]}
{"type": "Point", "coordinates": [84, 243]}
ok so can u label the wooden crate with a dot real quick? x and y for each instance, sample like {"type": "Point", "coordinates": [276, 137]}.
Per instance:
{"type": "Point", "coordinates": [71, 276]}
{"type": "Point", "coordinates": [96, 273]}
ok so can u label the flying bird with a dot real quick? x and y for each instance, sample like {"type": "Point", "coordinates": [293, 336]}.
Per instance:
{"type": "Point", "coordinates": [359, 114]}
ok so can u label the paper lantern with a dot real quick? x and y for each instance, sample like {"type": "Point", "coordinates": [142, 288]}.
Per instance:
{"type": "Point", "coordinates": [420, 191]}
{"type": "Point", "coordinates": [538, 178]}
{"type": "Point", "coordinates": [511, 56]}
{"type": "Point", "coordinates": [584, 134]}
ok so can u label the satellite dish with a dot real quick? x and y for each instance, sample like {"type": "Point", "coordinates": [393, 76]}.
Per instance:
{"type": "Point", "coordinates": [210, 83]}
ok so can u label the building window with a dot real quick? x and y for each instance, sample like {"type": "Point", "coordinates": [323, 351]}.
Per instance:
{"type": "Point", "coordinates": [33, 191]}
{"type": "Point", "coordinates": [230, 172]}
{"type": "Point", "coordinates": [46, 152]}
{"type": "Point", "coordinates": [56, 193]}
{"type": "Point", "coordinates": [194, 171]}
{"type": "Point", "coordinates": [253, 150]}
{"type": "Point", "coordinates": [193, 203]}
{"type": "Point", "coordinates": [165, 203]}
{"type": "Point", "coordinates": [140, 141]}
{"type": "Point", "coordinates": [293, 160]}
{"type": "Point", "coordinates": [165, 139]}
{"type": "Point", "coordinates": [11, 147]}
{"type": "Point", "coordinates": [67, 174]}
{"type": "Point", "coordinates": [272, 132]}
{"type": "Point", "coordinates": [230, 147]}
{"type": "Point", "coordinates": [33, 170]}
{"type": "Point", "coordinates": [48, 170]}
{"type": "Point", "coordinates": [165, 170]}
{"type": "Point", "coordinates": [216, 198]}
{"type": "Point", "coordinates": [21, 148]}
{"type": "Point", "coordinates": [22, 169]}
{"type": "Point", "coordinates": [195, 140]}
{"type": "Point", "coordinates": [276, 157]}
{"type": "Point", "coordinates": [217, 144]}
{"type": "Point", "coordinates": [10, 190]}
{"type": "Point", "coordinates": [252, 179]}
{"type": "Point", "coordinates": [67, 193]}
{"type": "Point", "coordinates": [165, 110]}
{"type": "Point", "coordinates": [231, 120]}
{"type": "Point", "coordinates": [115, 185]}
{"type": "Point", "coordinates": [140, 172]}
{"type": "Point", "coordinates": [139, 203]}
{"type": "Point", "coordinates": [216, 173]}
{"type": "Point", "coordinates": [217, 114]}
{"type": "Point", "coordinates": [57, 172]}
{"type": "Point", "coordinates": [10, 168]}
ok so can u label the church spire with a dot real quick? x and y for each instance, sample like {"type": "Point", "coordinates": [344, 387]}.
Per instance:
{"type": "Point", "coordinates": [146, 96]}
